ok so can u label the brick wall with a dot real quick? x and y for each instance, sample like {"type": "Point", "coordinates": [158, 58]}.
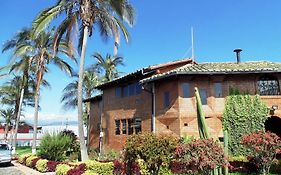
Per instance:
{"type": "Point", "coordinates": [180, 117]}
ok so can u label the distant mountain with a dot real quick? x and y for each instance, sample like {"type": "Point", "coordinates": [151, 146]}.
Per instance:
{"type": "Point", "coordinates": [54, 123]}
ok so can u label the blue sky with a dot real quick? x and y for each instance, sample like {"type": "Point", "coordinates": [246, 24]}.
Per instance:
{"type": "Point", "coordinates": [162, 33]}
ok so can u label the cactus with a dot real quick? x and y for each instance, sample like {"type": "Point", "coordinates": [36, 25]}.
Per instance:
{"type": "Point", "coordinates": [225, 146]}
{"type": "Point", "coordinates": [202, 127]}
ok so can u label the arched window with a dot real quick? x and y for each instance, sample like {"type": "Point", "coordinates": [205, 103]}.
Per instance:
{"type": "Point", "coordinates": [268, 85]}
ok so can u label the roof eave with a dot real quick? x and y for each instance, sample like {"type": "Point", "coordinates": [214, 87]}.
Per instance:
{"type": "Point", "coordinates": [206, 73]}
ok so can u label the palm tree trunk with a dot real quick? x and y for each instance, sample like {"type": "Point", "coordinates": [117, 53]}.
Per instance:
{"type": "Point", "coordinates": [17, 122]}
{"type": "Point", "coordinates": [36, 98]}
{"type": "Point", "coordinates": [6, 131]}
{"type": "Point", "coordinates": [83, 148]}
{"type": "Point", "coordinates": [88, 124]}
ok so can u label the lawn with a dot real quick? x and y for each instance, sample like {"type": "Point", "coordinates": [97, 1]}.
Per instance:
{"type": "Point", "coordinates": [23, 150]}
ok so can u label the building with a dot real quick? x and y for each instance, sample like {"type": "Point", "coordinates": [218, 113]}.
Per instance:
{"type": "Point", "coordinates": [161, 99]}
{"type": "Point", "coordinates": [24, 136]}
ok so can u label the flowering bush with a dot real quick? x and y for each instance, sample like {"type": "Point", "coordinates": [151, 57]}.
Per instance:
{"type": "Point", "coordinates": [200, 156]}
{"type": "Point", "coordinates": [120, 168]}
{"type": "Point", "coordinates": [51, 166]}
{"type": "Point", "coordinates": [29, 160]}
{"type": "Point", "coordinates": [77, 170]}
{"type": "Point", "coordinates": [265, 146]}
{"type": "Point", "coordinates": [23, 158]}
{"type": "Point", "coordinates": [62, 169]}
{"type": "Point", "coordinates": [41, 165]}
{"type": "Point", "coordinates": [34, 162]}
{"type": "Point", "coordinates": [155, 150]}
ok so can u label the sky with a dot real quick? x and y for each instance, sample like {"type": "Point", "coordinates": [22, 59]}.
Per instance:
{"type": "Point", "coordinates": [161, 34]}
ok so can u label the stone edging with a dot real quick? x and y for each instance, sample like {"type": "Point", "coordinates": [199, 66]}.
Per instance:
{"type": "Point", "coordinates": [29, 171]}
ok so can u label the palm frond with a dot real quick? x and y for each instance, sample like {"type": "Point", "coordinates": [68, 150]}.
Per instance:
{"type": "Point", "coordinates": [45, 18]}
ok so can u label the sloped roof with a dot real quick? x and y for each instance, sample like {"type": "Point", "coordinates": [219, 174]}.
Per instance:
{"type": "Point", "coordinates": [94, 98]}
{"type": "Point", "coordinates": [144, 72]}
{"type": "Point", "coordinates": [220, 68]}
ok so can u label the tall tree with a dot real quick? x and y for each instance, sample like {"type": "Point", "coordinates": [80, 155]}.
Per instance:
{"type": "Point", "coordinates": [12, 97]}
{"type": "Point", "coordinates": [8, 116]}
{"type": "Point", "coordinates": [108, 65]}
{"type": "Point", "coordinates": [108, 15]}
{"type": "Point", "coordinates": [22, 66]}
{"type": "Point", "coordinates": [69, 96]}
{"type": "Point", "coordinates": [39, 49]}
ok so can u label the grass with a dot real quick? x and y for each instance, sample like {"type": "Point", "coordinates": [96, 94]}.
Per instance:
{"type": "Point", "coordinates": [23, 150]}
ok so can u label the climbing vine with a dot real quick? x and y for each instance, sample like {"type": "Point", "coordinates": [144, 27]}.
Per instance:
{"type": "Point", "coordinates": [242, 115]}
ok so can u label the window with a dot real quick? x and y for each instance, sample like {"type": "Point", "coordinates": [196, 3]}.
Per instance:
{"type": "Point", "coordinates": [124, 126]}
{"type": "Point", "coordinates": [138, 88]}
{"type": "Point", "coordinates": [203, 95]}
{"type": "Point", "coordinates": [130, 126]}
{"type": "Point", "coordinates": [117, 127]}
{"type": "Point", "coordinates": [218, 90]}
{"type": "Point", "coordinates": [268, 85]}
{"type": "Point", "coordinates": [118, 92]}
{"type": "Point", "coordinates": [125, 91]}
{"type": "Point", "coordinates": [166, 99]}
{"type": "Point", "coordinates": [185, 90]}
{"type": "Point", "coordinates": [137, 125]}
{"type": "Point", "coordinates": [132, 89]}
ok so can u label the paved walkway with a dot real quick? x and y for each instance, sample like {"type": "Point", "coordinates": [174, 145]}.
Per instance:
{"type": "Point", "coordinates": [10, 170]}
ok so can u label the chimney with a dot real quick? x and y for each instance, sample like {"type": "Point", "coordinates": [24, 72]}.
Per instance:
{"type": "Point", "coordinates": [237, 51]}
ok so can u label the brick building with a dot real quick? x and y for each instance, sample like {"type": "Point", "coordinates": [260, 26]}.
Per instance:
{"type": "Point", "coordinates": [161, 99]}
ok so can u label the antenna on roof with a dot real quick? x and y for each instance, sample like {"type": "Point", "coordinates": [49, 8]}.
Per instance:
{"type": "Point", "coordinates": [192, 46]}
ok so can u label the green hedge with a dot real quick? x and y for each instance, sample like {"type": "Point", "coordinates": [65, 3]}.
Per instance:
{"type": "Point", "coordinates": [243, 114]}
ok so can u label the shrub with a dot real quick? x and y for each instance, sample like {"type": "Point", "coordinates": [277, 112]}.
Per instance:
{"type": "Point", "coordinates": [200, 156]}
{"type": "Point", "coordinates": [155, 150]}
{"type": "Point", "coordinates": [242, 167]}
{"type": "Point", "coordinates": [34, 162]}
{"type": "Point", "coordinates": [265, 146]}
{"type": "Point", "coordinates": [41, 165]}
{"type": "Point", "coordinates": [100, 168]}
{"type": "Point", "coordinates": [242, 115]}
{"type": "Point", "coordinates": [75, 146]}
{"type": "Point", "coordinates": [120, 168]}
{"type": "Point", "coordinates": [51, 166]}
{"type": "Point", "coordinates": [23, 158]}
{"type": "Point", "coordinates": [28, 161]}
{"type": "Point", "coordinates": [54, 147]}
{"type": "Point", "coordinates": [77, 170]}
{"type": "Point", "coordinates": [62, 169]}
{"type": "Point", "coordinates": [238, 159]}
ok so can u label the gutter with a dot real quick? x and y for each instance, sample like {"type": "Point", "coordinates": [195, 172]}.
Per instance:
{"type": "Point", "coordinates": [153, 107]}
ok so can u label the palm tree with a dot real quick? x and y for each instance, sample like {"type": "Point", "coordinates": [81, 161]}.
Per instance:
{"type": "Point", "coordinates": [8, 115]}
{"type": "Point", "coordinates": [69, 96]}
{"type": "Point", "coordinates": [108, 65]}
{"type": "Point", "coordinates": [13, 97]}
{"type": "Point", "coordinates": [39, 49]}
{"type": "Point", "coordinates": [22, 66]}
{"type": "Point", "coordinates": [108, 15]}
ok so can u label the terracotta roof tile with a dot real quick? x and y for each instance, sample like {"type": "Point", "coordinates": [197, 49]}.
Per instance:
{"type": "Point", "coordinates": [220, 68]}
